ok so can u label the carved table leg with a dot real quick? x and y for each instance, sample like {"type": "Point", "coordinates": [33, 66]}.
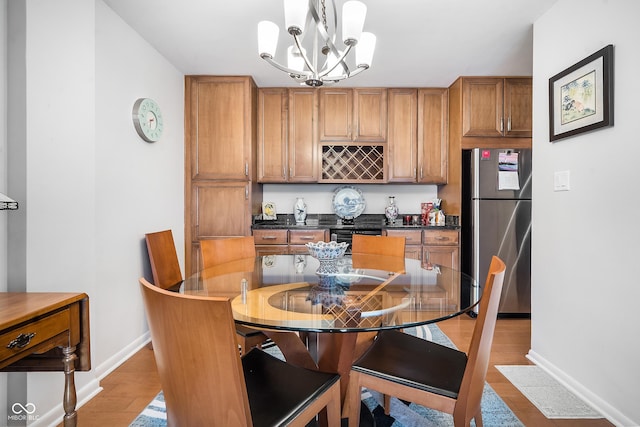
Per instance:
{"type": "Point", "coordinates": [69, 399]}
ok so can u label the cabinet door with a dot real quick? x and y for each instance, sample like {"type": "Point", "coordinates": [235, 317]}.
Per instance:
{"type": "Point", "coordinates": [412, 240]}
{"type": "Point", "coordinates": [220, 209]}
{"type": "Point", "coordinates": [482, 113]}
{"type": "Point", "coordinates": [402, 144]}
{"type": "Point", "coordinates": [433, 139]}
{"type": "Point", "coordinates": [303, 135]}
{"type": "Point", "coordinates": [370, 114]}
{"type": "Point", "coordinates": [272, 135]}
{"type": "Point", "coordinates": [219, 126]}
{"type": "Point", "coordinates": [447, 256]}
{"type": "Point", "coordinates": [336, 114]}
{"type": "Point", "coordinates": [518, 101]}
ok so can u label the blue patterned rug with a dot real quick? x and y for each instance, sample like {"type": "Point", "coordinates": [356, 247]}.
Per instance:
{"type": "Point", "coordinates": [403, 414]}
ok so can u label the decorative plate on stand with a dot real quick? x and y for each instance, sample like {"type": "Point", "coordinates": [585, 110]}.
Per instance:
{"type": "Point", "coordinates": [348, 202]}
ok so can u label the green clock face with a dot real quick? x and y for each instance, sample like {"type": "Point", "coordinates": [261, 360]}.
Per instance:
{"type": "Point", "coordinates": [147, 119]}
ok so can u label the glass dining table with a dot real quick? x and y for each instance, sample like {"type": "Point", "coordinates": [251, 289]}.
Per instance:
{"type": "Point", "coordinates": [324, 318]}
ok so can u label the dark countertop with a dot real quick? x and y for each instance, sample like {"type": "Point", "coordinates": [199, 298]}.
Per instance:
{"type": "Point", "coordinates": [331, 221]}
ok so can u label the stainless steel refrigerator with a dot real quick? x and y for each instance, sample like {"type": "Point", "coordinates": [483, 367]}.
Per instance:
{"type": "Point", "coordinates": [496, 220]}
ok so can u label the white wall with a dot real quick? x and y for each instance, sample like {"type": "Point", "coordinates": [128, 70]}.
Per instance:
{"type": "Point", "coordinates": [93, 187]}
{"type": "Point", "coordinates": [585, 289]}
{"type": "Point", "coordinates": [318, 197]}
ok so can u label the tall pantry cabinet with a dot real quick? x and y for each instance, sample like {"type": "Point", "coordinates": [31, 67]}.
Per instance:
{"type": "Point", "coordinates": [221, 188]}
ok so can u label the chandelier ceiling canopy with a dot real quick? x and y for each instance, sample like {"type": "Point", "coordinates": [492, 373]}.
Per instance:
{"type": "Point", "coordinates": [313, 57]}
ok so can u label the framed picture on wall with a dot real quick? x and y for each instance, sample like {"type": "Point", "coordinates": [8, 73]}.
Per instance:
{"type": "Point", "coordinates": [581, 97]}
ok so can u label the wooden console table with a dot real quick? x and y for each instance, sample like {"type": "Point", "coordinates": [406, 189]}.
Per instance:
{"type": "Point", "coordinates": [46, 331]}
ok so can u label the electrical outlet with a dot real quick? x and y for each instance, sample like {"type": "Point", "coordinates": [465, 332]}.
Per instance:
{"type": "Point", "coordinates": [561, 181]}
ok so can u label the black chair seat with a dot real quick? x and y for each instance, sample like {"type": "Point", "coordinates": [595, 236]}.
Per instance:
{"type": "Point", "coordinates": [247, 331]}
{"type": "Point", "coordinates": [278, 391]}
{"type": "Point", "coordinates": [412, 361]}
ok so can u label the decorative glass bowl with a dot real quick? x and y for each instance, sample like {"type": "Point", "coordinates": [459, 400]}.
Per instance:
{"type": "Point", "coordinates": [327, 253]}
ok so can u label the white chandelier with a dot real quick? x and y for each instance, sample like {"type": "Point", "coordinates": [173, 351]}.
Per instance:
{"type": "Point", "coordinates": [327, 64]}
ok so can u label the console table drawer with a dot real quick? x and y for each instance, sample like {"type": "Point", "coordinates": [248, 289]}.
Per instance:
{"type": "Point", "coordinates": [42, 330]}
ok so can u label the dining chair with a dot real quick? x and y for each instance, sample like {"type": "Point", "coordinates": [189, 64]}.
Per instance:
{"type": "Point", "coordinates": [431, 374]}
{"type": "Point", "coordinates": [206, 382]}
{"type": "Point", "coordinates": [378, 245]}
{"type": "Point", "coordinates": [163, 258]}
{"type": "Point", "coordinates": [379, 252]}
{"type": "Point", "coordinates": [216, 252]}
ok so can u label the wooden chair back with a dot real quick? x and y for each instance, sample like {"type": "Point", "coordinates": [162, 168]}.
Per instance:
{"type": "Point", "coordinates": [470, 395]}
{"type": "Point", "coordinates": [214, 387]}
{"type": "Point", "coordinates": [163, 257]}
{"type": "Point", "coordinates": [378, 245]}
{"type": "Point", "coordinates": [220, 251]}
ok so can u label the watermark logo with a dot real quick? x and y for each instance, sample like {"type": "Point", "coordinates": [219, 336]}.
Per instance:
{"type": "Point", "coordinates": [23, 412]}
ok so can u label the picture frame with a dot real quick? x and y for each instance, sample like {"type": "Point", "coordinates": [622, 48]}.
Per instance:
{"type": "Point", "coordinates": [269, 211]}
{"type": "Point", "coordinates": [581, 97]}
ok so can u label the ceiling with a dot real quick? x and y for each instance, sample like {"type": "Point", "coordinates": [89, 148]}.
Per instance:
{"type": "Point", "coordinates": [420, 43]}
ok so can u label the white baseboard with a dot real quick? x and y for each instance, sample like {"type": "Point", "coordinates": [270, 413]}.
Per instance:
{"type": "Point", "coordinates": [610, 413]}
{"type": "Point", "coordinates": [85, 394]}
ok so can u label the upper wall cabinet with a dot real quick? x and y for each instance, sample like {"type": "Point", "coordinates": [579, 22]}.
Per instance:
{"type": "Point", "coordinates": [220, 121]}
{"type": "Point", "coordinates": [433, 135]}
{"type": "Point", "coordinates": [497, 107]}
{"type": "Point", "coordinates": [418, 138]}
{"type": "Point", "coordinates": [351, 115]}
{"type": "Point", "coordinates": [287, 135]}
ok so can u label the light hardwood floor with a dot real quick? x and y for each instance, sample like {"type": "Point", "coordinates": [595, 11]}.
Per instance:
{"type": "Point", "coordinates": [133, 385]}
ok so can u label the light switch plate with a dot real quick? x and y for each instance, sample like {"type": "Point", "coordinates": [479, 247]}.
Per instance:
{"type": "Point", "coordinates": [561, 181]}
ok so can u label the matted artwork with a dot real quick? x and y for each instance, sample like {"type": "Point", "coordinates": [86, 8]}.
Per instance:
{"type": "Point", "coordinates": [581, 97]}
{"type": "Point", "coordinates": [269, 210]}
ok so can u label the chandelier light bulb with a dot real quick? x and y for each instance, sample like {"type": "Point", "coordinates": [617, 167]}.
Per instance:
{"type": "Point", "coordinates": [267, 38]}
{"type": "Point", "coordinates": [353, 15]}
{"type": "Point", "coordinates": [365, 49]}
{"type": "Point", "coordinates": [295, 16]}
{"type": "Point", "coordinates": [295, 61]}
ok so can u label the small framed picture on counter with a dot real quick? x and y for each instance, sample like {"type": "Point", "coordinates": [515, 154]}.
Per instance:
{"type": "Point", "coordinates": [269, 210]}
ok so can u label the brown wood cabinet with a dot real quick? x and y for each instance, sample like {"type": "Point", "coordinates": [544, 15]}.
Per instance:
{"type": "Point", "coordinates": [403, 135]}
{"type": "Point", "coordinates": [285, 241]}
{"type": "Point", "coordinates": [441, 247]}
{"type": "Point", "coordinates": [418, 142]}
{"type": "Point", "coordinates": [221, 193]}
{"type": "Point", "coordinates": [412, 241]}
{"type": "Point", "coordinates": [497, 107]}
{"type": "Point", "coordinates": [287, 135]}
{"type": "Point", "coordinates": [433, 135]}
{"type": "Point", "coordinates": [348, 115]}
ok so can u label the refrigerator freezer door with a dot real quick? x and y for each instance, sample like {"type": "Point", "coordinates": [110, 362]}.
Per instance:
{"type": "Point", "coordinates": [503, 228]}
{"type": "Point", "coordinates": [484, 174]}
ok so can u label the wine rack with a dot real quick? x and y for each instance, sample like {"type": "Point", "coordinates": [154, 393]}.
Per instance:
{"type": "Point", "coordinates": [355, 163]}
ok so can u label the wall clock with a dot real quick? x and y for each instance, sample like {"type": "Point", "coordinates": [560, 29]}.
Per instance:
{"type": "Point", "coordinates": [147, 119]}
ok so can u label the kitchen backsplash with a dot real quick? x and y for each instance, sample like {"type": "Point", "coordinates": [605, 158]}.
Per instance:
{"type": "Point", "coordinates": [318, 197]}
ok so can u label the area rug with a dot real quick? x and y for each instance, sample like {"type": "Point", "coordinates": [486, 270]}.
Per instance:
{"type": "Point", "coordinates": [552, 398]}
{"type": "Point", "coordinates": [403, 414]}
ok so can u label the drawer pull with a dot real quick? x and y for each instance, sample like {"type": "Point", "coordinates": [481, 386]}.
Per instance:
{"type": "Point", "coordinates": [269, 237]}
{"type": "Point", "coordinates": [21, 340]}
{"type": "Point", "coordinates": [307, 237]}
